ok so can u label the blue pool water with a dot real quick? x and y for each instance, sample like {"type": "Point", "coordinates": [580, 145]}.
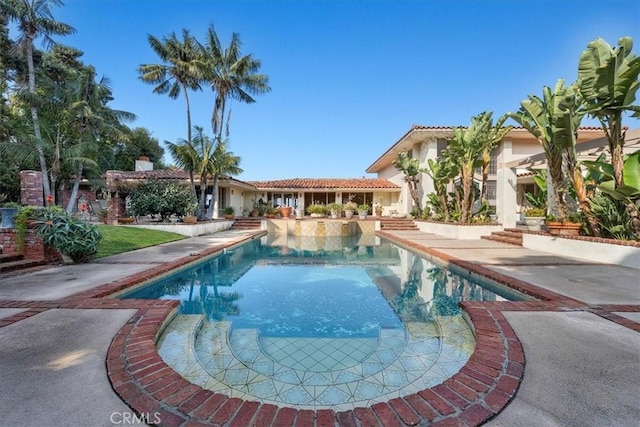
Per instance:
{"type": "Point", "coordinates": [317, 322]}
{"type": "Point", "coordinates": [350, 291]}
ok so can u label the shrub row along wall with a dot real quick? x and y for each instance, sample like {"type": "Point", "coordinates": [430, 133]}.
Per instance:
{"type": "Point", "coordinates": [34, 248]}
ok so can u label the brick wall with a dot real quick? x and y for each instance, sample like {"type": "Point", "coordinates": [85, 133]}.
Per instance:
{"type": "Point", "coordinates": [34, 248]}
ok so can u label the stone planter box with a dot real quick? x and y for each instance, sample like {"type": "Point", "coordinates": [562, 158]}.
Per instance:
{"type": "Point", "coordinates": [589, 249]}
{"type": "Point", "coordinates": [534, 223]}
{"type": "Point", "coordinates": [458, 231]}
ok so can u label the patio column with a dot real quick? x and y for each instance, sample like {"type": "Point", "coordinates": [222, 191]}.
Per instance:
{"type": "Point", "coordinates": [506, 188]}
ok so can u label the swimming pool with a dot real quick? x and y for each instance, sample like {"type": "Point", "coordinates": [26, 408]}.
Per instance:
{"type": "Point", "coordinates": [336, 323]}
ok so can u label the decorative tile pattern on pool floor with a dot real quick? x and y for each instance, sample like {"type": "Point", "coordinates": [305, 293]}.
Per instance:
{"type": "Point", "coordinates": [315, 373]}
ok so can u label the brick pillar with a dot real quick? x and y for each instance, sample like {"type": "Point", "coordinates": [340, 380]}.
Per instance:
{"type": "Point", "coordinates": [31, 190]}
{"type": "Point", "coordinates": [115, 207]}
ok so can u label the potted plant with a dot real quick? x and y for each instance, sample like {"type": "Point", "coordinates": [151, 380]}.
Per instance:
{"type": "Point", "coordinates": [378, 209]}
{"type": "Point", "coordinates": [363, 211]}
{"type": "Point", "coordinates": [228, 212]}
{"type": "Point", "coordinates": [270, 211]}
{"type": "Point", "coordinates": [570, 226]}
{"type": "Point", "coordinates": [349, 209]}
{"type": "Point", "coordinates": [335, 209]}
{"type": "Point", "coordinates": [126, 219]}
{"type": "Point", "coordinates": [316, 210]}
{"type": "Point", "coordinates": [8, 211]}
{"type": "Point", "coordinates": [285, 211]}
{"type": "Point", "coordinates": [534, 218]}
{"type": "Point", "coordinates": [190, 214]}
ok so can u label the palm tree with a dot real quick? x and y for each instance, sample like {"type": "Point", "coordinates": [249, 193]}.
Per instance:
{"type": "Point", "coordinates": [231, 75]}
{"type": "Point", "coordinates": [186, 156]}
{"type": "Point", "coordinates": [88, 118]}
{"type": "Point", "coordinates": [179, 70]}
{"type": "Point", "coordinates": [205, 148]}
{"type": "Point", "coordinates": [223, 163]}
{"type": "Point", "coordinates": [410, 167]}
{"type": "Point", "coordinates": [34, 19]}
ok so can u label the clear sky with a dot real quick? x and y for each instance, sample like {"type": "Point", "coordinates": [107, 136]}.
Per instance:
{"type": "Point", "coordinates": [348, 78]}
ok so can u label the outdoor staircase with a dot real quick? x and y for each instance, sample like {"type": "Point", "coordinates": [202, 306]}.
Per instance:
{"type": "Point", "coordinates": [512, 236]}
{"type": "Point", "coordinates": [16, 262]}
{"type": "Point", "coordinates": [398, 224]}
{"type": "Point", "coordinates": [246, 223]}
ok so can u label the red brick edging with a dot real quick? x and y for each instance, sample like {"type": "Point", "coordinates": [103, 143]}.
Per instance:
{"type": "Point", "coordinates": [487, 382]}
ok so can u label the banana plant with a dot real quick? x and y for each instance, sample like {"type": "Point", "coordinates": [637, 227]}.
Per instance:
{"type": "Point", "coordinates": [466, 148]}
{"type": "Point", "coordinates": [553, 120]}
{"type": "Point", "coordinates": [629, 193]}
{"type": "Point", "coordinates": [608, 82]}
{"type": "Point", "coordinates": [410, 167]}
{"type": "Point", "coordinates": [442, 172]}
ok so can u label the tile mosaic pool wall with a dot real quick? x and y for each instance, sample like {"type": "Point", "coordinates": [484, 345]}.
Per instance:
{"type": "Point", "coordinates": [313, 373]}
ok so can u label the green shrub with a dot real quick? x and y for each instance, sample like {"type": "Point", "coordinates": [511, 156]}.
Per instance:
{"type": "Point", "coordinates": [535, 213]}
{"type": "Point", "coordinates": [154, 197]}
{"type": "Point", "coordinates": [335, 207]}
{"type": "Point", "coordinates": [69, 235]}
{"type": "Point", "coordinates": [317, 208]}
{"type": "Point", "coordinates": [364, 207]}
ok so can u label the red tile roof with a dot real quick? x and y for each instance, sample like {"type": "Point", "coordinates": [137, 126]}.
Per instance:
{"type": "Point", "coordinates": [326, 183]}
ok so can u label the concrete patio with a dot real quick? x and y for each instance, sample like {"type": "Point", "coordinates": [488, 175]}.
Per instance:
{"type": "Point", "coordinates": [581, 347]}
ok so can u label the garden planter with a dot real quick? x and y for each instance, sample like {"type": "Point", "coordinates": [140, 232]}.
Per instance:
{"type": "Point", "coordinates": [348, 214]}
{"type": "Point", "coordinates": [7, 217]}
{"type": "Point", "coordinates": [534, 223]}
{"type": "Point", "coordinates": [564, 228]}
{"type": "Point", "coordinates": [190, 219]}
{"type": "Point", "coordinates": [126, 220]}
{"type": "Point", "coordinates": [285, 211]}
{"type": "Point", "coordinates": [362, 214]}
{"type": "Point", "coordinates": [228, 216]}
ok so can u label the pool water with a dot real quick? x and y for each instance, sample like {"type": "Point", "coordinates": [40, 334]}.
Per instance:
{"type": "Point", "coordinates": [307, 327]}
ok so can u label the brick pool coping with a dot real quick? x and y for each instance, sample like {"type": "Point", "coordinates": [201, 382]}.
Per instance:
{"type": "Point", "coordinates": [479, 391]}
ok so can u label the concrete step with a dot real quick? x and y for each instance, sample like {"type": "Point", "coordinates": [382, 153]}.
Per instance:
{"type": "Point", "coordinates": [4, 258]}
{"type": "Point", "coordinates": [245, 223]}
{"type": "Point", "coordinates": [504, 239]}
{"type": "Point", "coordinates": [398, 224]}
{"type": "Point", "coordinates": [19, 265]}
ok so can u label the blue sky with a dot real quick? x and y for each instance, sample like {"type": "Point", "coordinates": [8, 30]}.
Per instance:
{"type": "Point", "coordinates": [348, 78]}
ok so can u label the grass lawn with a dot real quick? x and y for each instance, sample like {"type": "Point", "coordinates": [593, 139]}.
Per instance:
{"type": "Point", "coordinates": [117, 239]}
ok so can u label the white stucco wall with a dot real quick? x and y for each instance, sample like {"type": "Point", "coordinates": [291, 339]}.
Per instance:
{"type": "Point", "coordinates": [628, 256]}
{"type": "Point", "coordinates": [198, 229]}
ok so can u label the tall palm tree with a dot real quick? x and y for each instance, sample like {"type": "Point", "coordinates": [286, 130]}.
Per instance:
{"type": "Point", "coordinates": [231, 76]}
{"type": "Point", "coordinates": [178, 72]}
{"type": "Point", "coordinates": [34, 19]}
{"type": "Point", "coordinates": [223, 163]}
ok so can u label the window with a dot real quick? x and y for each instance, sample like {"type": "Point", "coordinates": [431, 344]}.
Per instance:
{"type": "Point", "coordinates": [491, 191]}
{"type": "Point", "coordinates": [441, 145]}
{"type": "Point", "coordinates": [493, 162]}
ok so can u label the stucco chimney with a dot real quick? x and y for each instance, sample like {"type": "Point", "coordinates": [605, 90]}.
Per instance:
{"type": "Point", "coordinates": [143, 164]}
